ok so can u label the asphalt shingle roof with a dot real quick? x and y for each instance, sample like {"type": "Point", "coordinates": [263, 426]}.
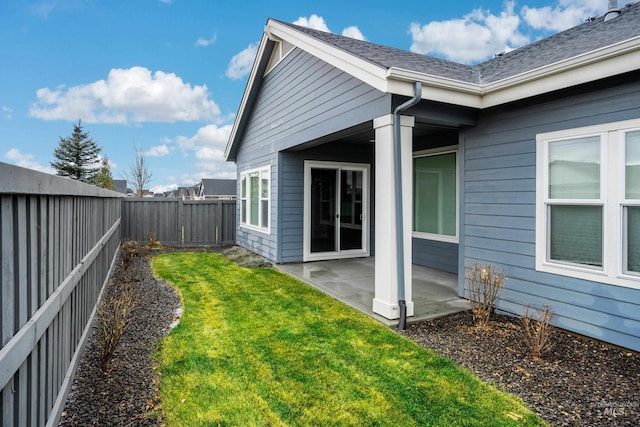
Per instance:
{"type": "Point", "coordinates": [575, 41]}
{"type": "Point", "coordinates": [219, 187]}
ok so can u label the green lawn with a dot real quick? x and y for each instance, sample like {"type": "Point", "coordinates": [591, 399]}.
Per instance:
{"type": "Point", "coordinates": [258, 348]}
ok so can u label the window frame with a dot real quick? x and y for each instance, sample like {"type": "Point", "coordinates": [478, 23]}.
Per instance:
{"type": "Point", "coordinates": [246, 203]}
{"type": "Point", "coordinates": [612, 199]}
{"type": "Point", "coordinates": [433, 236]}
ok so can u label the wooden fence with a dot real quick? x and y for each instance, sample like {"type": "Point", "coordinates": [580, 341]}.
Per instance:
{"type": "Point", "coordinates": [59, 241]}
{"type": "Point", "coordinates": [177, 222]}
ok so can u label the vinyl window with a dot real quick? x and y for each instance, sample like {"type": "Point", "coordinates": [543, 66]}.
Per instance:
{"type": "Point", "coordinates": [255, 198]}
{"type": "Point", "coordinates": [588, 203]}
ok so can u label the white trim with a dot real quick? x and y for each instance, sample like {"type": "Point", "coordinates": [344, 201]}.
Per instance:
{"type": "Point", "coordinates": [366, 71]}
{"type": "Point", "coordinates": [338, 166]}
{"type": "Point", "coordinates": [605, 62]}
{"type": "Point", "coordinates": [612, 198]}
{"type": "Point", "coordinates": [245, 95]}
{"type": "Point", "coordinates": [432, 236]}
{"type": "Point", "coordinates": [247, 225]}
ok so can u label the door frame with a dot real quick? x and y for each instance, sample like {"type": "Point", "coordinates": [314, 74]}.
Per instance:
{"type": "Point", "coordinates": [352, 253]}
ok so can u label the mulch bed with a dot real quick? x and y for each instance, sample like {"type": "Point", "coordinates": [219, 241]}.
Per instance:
{"type": "Point", "coordinates": [580, 382]}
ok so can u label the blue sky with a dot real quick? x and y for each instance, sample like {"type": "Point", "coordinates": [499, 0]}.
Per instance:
{"type": "Point", "coordinates": [168, 75]}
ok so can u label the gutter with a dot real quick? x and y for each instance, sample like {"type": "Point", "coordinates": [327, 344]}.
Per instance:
{"type": "Point", "coordinates": [397, 151]}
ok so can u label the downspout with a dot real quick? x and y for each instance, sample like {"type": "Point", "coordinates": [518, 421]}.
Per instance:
{"type": "Point", "coordinates": [397, 151]}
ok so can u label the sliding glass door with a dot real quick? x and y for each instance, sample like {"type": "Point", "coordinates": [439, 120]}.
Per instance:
{"type": "Point", "coordinates": [335, 210]}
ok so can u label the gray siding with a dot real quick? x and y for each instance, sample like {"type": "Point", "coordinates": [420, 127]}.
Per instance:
{"type": "Point", "coordinates": [300, 100]}
{"type": "Point", "coordinates": [499, 212]}
{"type": "Point", "coordinates": [435, 254]}
{"type": "Point", "coordinates": [292, 192]}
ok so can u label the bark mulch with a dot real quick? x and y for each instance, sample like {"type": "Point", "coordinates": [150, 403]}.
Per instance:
{"type": "Point", "coordinates": [580, 382]}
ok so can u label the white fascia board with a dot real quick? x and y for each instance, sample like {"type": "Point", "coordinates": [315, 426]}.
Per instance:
{"type": "Point", "coordinates": [245, 95]}
{"type": "Point", "coordinates": [434, 88]}
{"type": "Point", "coordinates": [601, 63]}
{"type": "Point", "coordinates": [609, 61]}
{"type": "Point", "coordinates": [365, 71]}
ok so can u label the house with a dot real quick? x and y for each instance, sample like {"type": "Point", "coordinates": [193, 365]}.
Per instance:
{"type": "Point", "coordinates": [216, 189]}
{"type": "Point", "coordinates": [529, 161]}
{"type": "Point", "coordinates": [121, 185]}
{"type": "Point", "coordinates": [185, 193]}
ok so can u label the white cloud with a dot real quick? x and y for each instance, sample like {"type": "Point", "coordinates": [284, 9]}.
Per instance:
{"type": "Point", "coordinates": [128, 95]}
{"type": "Point", "coordinates": [477, 36]}
{"type": "Point", "coordinates": [157, 151]}
{"type": "Point", "coordinates": [202, 42]}
{"type": "Point", "coordinates": [240, 65]}
{"type": "Point", "coordinates": [166, 1]}
{"type": "Point", "coordinates": [314, 22]}
{"type": "Point", "coordinates": [26, 160]}
{"type": "Point", "coordinates": [207, 146]}
{"type": "Point", "coordinates": [163, 188]}
{"type": "Point", "coordinates": [353, 32]}
{"type": "Point", "coordinates": [8, 112]}
{"type": "Point", "coordinates": [564, 14]}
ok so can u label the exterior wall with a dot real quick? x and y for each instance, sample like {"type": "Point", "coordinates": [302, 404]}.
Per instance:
{"type": "Point", "coordinates": [432, 253]}
{"type": "Point", "coordinates": [300, 100]}
{"type": "Point", "coordinates": [499, 206]}
{"type": "Point", "coordinates": [435, 254]}
{"type": "Point", "coordinates": [292, 192]}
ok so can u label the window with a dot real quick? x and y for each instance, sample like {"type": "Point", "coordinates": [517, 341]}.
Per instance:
{"type": "Point", "coordinates": [631, 207]}
{"type": "Point", "coordinates": [254, 198]}
{"type": "Point", "coordinates": [588, 203]}
{"type": "Point", "coordinates": [435, 195]}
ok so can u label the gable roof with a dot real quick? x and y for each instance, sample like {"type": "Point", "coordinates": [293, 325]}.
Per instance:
{"type": "Point", "coordinates": [587, 37]}
{"type": "Point", "coordinates": [218, 187]}
{"type": "Point", "coordinates": [588, 52]}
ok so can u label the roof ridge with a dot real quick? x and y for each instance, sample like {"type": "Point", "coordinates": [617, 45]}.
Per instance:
{"type": "Point", "coordinates": [554, 48]}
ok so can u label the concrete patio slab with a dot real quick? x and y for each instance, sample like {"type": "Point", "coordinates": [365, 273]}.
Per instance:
{"type": "Point", "coordinates": [435, 292]}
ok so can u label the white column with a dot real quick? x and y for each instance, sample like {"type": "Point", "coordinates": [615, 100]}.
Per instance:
{"type": "Point", "coordinates": [385, 301]}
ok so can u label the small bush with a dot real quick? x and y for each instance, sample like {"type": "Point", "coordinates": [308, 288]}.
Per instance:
{"type": "Point", "coordinates": [483, 285]}
{"type": "Point", "coordinates": [536, 327]}
{"type": "Point", "coordinates": [129, 249]}
{"type": "Point", "coordinates": [152, 242]}
{"type": "Point", "coordinates": [113, 315]}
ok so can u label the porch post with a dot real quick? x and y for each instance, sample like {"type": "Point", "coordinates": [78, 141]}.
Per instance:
{"type": "Point", "coordinates": [385, 301]}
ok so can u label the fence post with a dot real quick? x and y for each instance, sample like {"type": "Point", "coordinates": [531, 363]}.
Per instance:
{"type": "Point", "coordinates": [181, 221]}
{"type": "Point", "coordinates": [218, 221]}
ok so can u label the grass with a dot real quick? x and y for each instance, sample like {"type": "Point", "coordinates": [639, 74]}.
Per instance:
{"type": "Point", "coordinates": [258, 348]}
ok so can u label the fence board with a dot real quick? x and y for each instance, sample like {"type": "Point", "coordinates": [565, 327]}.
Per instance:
{"type": "Point", "coordinates": [59, 241]}
{"type": "Point", "coordinates": [177, 222]}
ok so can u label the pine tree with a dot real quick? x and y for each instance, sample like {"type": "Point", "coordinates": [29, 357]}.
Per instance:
{"type": "Point", "coordinates": [77, 156]}
{"type": "Point", "coordinates": [104, 178]}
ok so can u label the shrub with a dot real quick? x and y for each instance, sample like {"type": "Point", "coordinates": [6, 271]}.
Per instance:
{"type": "Point", "coordinates": [113, 315]}
{"type": "Point", "coordinates": [129, 249]}
{"type": "Point", "coordinates": [152, 243]}
{"type": "Point", "coordinates": [536, 327]}
{"type": "Point", "coordinates": [483, 285]}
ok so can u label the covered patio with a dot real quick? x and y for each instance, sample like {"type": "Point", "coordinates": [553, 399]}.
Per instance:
{"type": "Point", "coordinates": [435, 292]}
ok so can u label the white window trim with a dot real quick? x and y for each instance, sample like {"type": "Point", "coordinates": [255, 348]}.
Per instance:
{"type": "Point", "coordinates": [612, 196]}
{"type": "Point", "coordinates": [246, 174]}
{"type": "Point", "coordinates": [307, 255]}
{"type": "Point", "coordinates": [440, 237]}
